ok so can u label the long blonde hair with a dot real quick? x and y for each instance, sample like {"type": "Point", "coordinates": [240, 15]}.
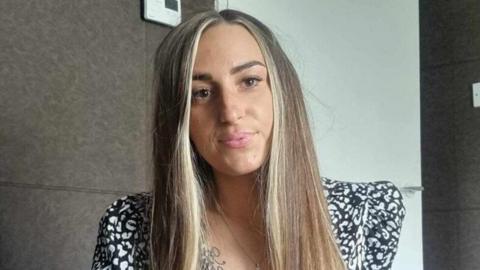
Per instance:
{"type": "Point", "coordinates": [296, 219]}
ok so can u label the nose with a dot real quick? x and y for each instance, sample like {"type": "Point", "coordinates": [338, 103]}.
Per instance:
{"type": "Point", "coordinates": [231, 108]}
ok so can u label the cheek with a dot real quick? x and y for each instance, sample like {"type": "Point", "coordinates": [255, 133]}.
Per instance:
{"type": "Point", "coordinates": [265, 112]}
{"type": "Point", "coordinates": [200, 129]}
{"type": "Point", "coordinates": [196, 132]}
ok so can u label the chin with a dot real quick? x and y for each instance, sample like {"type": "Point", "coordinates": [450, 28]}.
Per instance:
{"type": "Point", "coordinates": [239, 170]}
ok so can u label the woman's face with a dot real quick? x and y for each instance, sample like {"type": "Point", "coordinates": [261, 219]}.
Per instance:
{"type": "Point", "coordinates": [231, 114]}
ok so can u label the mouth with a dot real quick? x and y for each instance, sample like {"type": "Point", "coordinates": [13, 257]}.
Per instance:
{"type": "Point", "coordinates": [237, 140]}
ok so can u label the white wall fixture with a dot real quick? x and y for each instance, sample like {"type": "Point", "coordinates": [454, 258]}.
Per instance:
{"type": "Point", "coordinates": [221, 5]}
{"type": "Point", "coordinates": [167, 12]}
{"type": "Point", "coordinates": [476, 95]}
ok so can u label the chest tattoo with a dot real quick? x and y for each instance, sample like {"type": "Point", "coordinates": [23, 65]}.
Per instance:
{"type": "Point", "coordinates": [209, 259]}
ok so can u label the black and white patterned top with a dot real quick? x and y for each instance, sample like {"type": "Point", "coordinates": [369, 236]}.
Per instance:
{"type": "Point", "coordinates": [366, 220]}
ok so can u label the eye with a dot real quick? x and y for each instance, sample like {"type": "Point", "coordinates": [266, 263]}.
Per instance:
{"type": "Point", "coordinates": [201, 94]}
{"type": "Point", "coordinates": [251, 82]}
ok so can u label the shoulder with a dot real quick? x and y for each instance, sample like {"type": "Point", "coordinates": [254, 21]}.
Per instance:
{"type": "Point", "coordinates": [366, 219]}
{"type": "Point", "coordinates": [123, 233]}
{"type": "Point", "coordinates": [126, 215]}
{"type": "Point", "coordinates": [126, 208]}
{"type": "Point", "coordinates": [381, 194]}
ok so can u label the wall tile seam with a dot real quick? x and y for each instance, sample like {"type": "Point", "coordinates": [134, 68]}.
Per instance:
{"type": "Point", "coordinates": [456, 158]}
{"type": "Point", "coordinates": [448, 210]}
{"type": "Point", "coordinates": [427, 67]}
{"type": "Point", "coordinates": [66, 188]}
{"type": "Point", "coordinates": [147, 96]}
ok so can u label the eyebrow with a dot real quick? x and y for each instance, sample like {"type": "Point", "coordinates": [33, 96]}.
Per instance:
{"type": "Point", "coordinates": [245, 66]}
{"type": "Point", "coordinates": [208, 76]}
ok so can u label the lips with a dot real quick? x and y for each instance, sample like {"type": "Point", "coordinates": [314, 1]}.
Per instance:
{"type": "Point", "coordinates": [237, 139]}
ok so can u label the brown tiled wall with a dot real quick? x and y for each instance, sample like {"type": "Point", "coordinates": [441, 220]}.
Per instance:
{"type": "Point", "coordinates": [450, 63]}
{"type": "Point", "coordinates": [75, 78]}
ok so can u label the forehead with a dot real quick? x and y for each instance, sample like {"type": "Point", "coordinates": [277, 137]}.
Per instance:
{"type": "Point", "coordinates": [227, 44]}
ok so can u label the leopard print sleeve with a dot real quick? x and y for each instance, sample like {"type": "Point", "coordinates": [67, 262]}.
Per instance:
{"type": "Point", "coordinates": [366, 220]}
{"type": "Point", "coordinates": [123, 235]}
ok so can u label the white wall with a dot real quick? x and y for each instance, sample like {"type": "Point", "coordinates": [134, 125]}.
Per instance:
{"type": "Point", "coordinates": [359, 65]}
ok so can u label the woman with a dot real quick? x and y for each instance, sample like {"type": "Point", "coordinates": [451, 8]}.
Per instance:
{"type": "Point", "coordinates": [236, 181]}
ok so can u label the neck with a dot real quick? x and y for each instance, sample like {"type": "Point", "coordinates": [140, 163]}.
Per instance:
{"type": "Point", "coordinates": [238, 198]}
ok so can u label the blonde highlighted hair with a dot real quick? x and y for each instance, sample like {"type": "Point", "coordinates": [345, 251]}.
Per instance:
{"type": "Point", "coordinates": [296, 219]}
